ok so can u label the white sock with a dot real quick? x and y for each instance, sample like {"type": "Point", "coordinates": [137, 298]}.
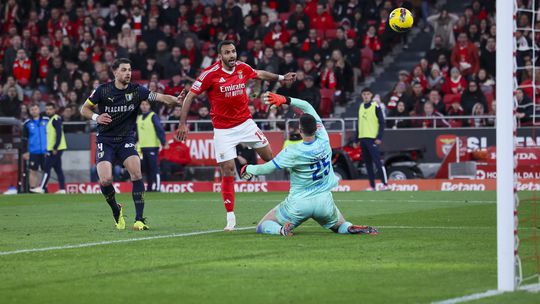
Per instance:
{"type": "Point", "coordinates": [231, 217]}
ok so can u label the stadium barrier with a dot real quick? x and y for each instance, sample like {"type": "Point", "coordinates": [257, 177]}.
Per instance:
{"type": "Point", "coordinates": [344, 186]}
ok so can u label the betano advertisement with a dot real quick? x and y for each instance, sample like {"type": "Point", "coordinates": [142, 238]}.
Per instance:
{"type": "Point", "coordinates": [344, 186]}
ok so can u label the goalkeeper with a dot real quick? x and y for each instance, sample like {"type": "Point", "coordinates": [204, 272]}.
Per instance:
{"type": "Point", "coordinates": [312, 178]}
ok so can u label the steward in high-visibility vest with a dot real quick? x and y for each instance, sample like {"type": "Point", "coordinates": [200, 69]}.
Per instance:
{"type": "Point", "coordinates": [56, 144]}
{"type": "Point", "coordinates": [150, 136]}
{"type": "Point", "coordinates": [370, 132]}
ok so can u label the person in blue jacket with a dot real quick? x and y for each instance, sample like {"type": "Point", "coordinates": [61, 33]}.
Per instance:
{"type": "Point", "coordinates": [35, 139]}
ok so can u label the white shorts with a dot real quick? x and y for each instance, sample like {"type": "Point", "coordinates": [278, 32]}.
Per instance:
{"type": "Point", "coordinates": [226, 140]}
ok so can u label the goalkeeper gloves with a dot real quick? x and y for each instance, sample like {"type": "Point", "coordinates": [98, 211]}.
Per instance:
{"type": "Point", "coordinates": [244, 174]}
{"type": "Point", "coordinates": [275, 99]}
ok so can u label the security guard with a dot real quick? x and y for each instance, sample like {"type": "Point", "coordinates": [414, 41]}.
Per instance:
{"type": "Point", "coordinates": [150, 135]}
{"type": "Point", "coordinates": [56, 144]}
{"type": "Point", "coordinates": [370, 131]}
{"type": "Point", "coordinates": [35, 135]}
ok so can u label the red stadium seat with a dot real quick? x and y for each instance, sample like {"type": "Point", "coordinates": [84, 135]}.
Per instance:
{"type": "Point", "coordinates": [366, 61]}
{"type": "Point", "coordinates": [327, 102]}
{"type": "Point", "coordinates": [330, 34]}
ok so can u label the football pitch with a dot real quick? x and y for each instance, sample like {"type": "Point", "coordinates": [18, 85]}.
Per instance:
{"type": "Point", "coordinates": [432, 246]}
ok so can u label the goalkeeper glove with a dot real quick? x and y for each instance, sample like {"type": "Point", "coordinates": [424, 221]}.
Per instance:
{"type": "Point", "coordinates": [244, 174]}
{"type": "Point", "coordinates": [275, 99]}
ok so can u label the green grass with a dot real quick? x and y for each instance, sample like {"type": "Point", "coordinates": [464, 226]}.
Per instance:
{"type": "Point", "coordinates": [432, 246]}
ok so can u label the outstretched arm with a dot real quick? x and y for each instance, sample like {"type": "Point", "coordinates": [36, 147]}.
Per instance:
{"type": "Point", "coordinates": [169, 100]}
{"type": "Point", "coordinates": [264, 75]}
{"type": "Point", "coordinates": [186, 105]}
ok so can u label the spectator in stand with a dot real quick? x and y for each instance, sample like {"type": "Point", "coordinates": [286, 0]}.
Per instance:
{"type": "Point", "coordinates": [204, 115]}
{"type": "Point", "coordinates": [209, 58]}
{"type": "Point", "coordinates": [455, 109]}
{"type": "Point", "coordinates": [277, 33]}
{"type": "Point", "coordinates": [247, 32]}
{"type": "Point", "coordinates": [435, 98]}
{"type": "Point", "coordinates": [465, 56]}
{"type": "Point", "coordinates": [455, 83]}
{"type": "Point", "coordinates": [152, 34]}
{"type": "Point", "coordinates": [173, 159]}
{"type": "Point", "coordinates": [492, 112]}
{"type": "Point", "coordinates": [339, 43]}
{"type": "Point", "coordinates": [263, 28]}
{"type": "Point", "coordinates": [435, 81]}
{"type": "Point", "coordinates": [269, 62]}
{"type": "Point", "coordinates": [322, 19]}
{"type": "Point", "coordinates": [138, 57]}
{"type": "Point", "coordinates": [175, 116]}
{"type": "Point", "coordinates": [442, 62]}
{"type": "Point", "coordinates": [288, 65]}
{"type": "Point", "coordinates": [245, 6]}
{"type": "Point", "coordinates": [343, 71]}
{"type": "Point", "coordinates": [311, 93]}
{"type": "Point", "coordinates": [187, 70]}
{"type": "Point", "coordinates": [477, 110]}
{"type": "Point", "coordinates": [10, 104]}
{"type": "Point", "coordinates": [10, 54]}
{"type": "Point", "coordinates": [192, 52]}
{"type": "Point", "coordinates": [372, 41]}
{"type": "Point", "coordinates": [418, 76]}
{"type": "Point", "coordinates": [296, 16]}
{"type": "Point", "coordinates": [525, 110]}
{"type": "Point", "coordinates": [486, 82]}
{"type": "Point", "coordinates": [432, 118]}
{"type": "Point", "coordinates": [172, 66]}
{"type": "Point", "coordinates": [437, 50]}
{"type": "Point", "coordinates": [401, 92]}
{"type": "Point", "coordinates": [163, 55]}
{"type": "Point", "coordinates": [443, 24]}
{"type": "Point", "coordinates": [471, 96]}
{"type": "Point", "coordinates": [487, 58]}
{"type": "Point", "coordinates": [309, 69]}
{"type": "Point", "coordinates": [312, 44]}
{"type": "Point", "coordinates": [22, 68]}
{"type": "Point", "coordinates": [152, 67]}
{"type": "Point", "coordinates": [10, 82]}
{"type": "Point", "coordinates": [417, 100]}
{"type": "Point", "coordinates": [398, 111]}
{"type": "Point", "coordinates": [328, 77]}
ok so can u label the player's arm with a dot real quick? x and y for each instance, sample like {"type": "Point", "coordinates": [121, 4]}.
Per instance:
{"type": "Point", "coordinates": [168, 100]}
{"type": "Point", "coordinates": [380, 118]}
{"type": "Point", "coordinates": [186, 105]}
{"type": "Point", "coordinates": [264, 75]}
{"type": "Point", "coordinates": [57, 124]}
{"type": "Point", "coordinates": [87, 109]}
{"type": "Point", "coordinates": [285, 159]}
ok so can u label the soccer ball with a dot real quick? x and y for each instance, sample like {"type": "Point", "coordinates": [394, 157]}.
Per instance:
{"type": "Point", "coordinates": [401, 20]}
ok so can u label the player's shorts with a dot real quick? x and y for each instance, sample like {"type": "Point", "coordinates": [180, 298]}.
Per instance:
{"type": "Point", "coordinates": [111, 151]}
{"type": "Point", "coordinates": [321, 208]}
{"type": "Point", "coordinates": [36, 161]}
{"type": "Point", "coordinates": [226, 140]}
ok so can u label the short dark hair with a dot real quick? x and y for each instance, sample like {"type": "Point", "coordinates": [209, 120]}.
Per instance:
{"type": "Point", "coordinates": [51, 104]}
{"type": "Point", "coordinates": [116, 64]}
{"type": "Point", "coordinates": [367, 89]}
{"type": "Point", "coordinates": [308, 124]}
{"type": "Point", "coordinates": [222, 43]}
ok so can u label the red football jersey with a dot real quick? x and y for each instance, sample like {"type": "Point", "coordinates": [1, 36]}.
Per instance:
{"type": "Point", "coordinates": [226, 92]}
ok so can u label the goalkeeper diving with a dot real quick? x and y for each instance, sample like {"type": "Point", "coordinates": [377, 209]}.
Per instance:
{"type": "Point", "coordinates": [311, 175]}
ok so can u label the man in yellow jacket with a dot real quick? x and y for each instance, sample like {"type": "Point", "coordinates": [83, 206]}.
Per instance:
{"type": "Point", "coordinates": [150, 135]}
{"type": "Point", "coordinates": [56, 144]}
{"type": "Point", "coordinates": [370, 131]}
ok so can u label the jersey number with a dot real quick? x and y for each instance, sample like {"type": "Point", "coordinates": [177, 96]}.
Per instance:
{"type": "Point", "coordinates": [322, 164]}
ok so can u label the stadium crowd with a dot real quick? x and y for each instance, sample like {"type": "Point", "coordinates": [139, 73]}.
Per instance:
{"type": "Point", "coordinates": [60, 50]}
{"type": "Point", "coordinates": [457, 75]}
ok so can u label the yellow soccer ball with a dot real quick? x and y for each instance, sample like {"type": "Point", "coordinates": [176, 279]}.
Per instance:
{"type": "Point", "coordinates": [400, 20]}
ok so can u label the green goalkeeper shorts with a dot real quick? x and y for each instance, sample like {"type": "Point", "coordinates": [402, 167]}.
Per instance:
{"type": "Point", "coordinates": [321, 208]}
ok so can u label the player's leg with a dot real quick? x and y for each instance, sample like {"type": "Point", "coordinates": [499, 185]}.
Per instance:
{"type": "Point", "coordinates": [376, 156]}
{"type": "Point", "coordinates": [57, 166]}
{"type": "Point", "coordinates": [154, 170]}
{"type": "Point", "coordinates": [228, 170]}
{"type": "Point", "coordinates": [327, 214]}
{"type": "Point", "coordinates": [47, 165]}
{"type": "Point", "coordinates": [270, 224]}
{"type": "Point", "coordinates": [365, 144]}
{"type": "Point", "coordinates": [133, 165]}
{"type": "Point", "coordinates": [35, 162]}
{"type": "Point", "coordinates": [146, 164]}
{"type": "Point", "coordinates": [104, 171]}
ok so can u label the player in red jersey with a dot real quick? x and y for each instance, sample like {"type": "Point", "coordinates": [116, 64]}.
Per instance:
{"type": "Point", "coordinates": [225, 83]}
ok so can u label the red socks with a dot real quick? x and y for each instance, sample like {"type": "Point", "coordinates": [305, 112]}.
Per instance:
{"type": "Point", "coordinates": [227, 192]}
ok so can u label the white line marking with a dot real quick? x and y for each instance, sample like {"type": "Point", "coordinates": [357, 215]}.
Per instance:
{"type": "Point", "coordinates": [173, 235]}
{"type": "Point", "coordinates": [476, 296]}
{"type": "Point", "coordinates": [490, 293]}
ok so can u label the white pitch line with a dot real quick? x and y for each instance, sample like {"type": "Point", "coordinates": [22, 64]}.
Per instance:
{"type": "Point", "coordinates": [476, 296]}
{"type": "Point", "coordinates": [83, 245]}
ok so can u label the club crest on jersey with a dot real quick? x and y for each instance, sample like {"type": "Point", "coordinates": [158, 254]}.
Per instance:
{"type": "Point", "coordinates": [240, 76]}
{"type": "Point", "coordinates": [129, 96]}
